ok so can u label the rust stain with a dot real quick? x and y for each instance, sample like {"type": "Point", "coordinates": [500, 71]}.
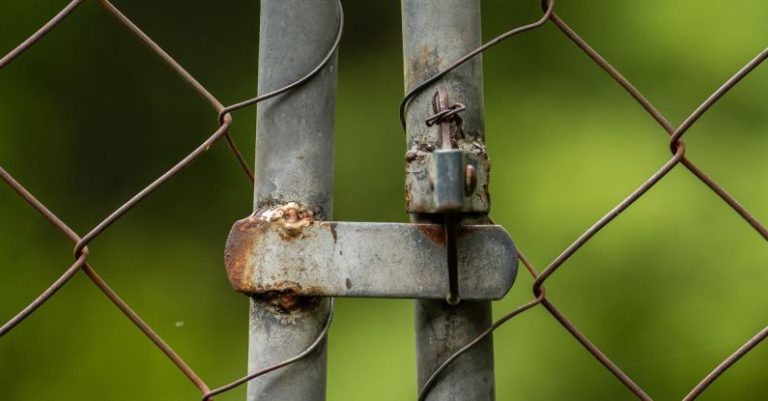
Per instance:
{"type": "Point", "coordinates": [286, 300]}
{"type": "Point", "coordinates": [426, 64]}
{"type": "Point", "coordinates": [433, 231]}
{"type": "Point", "coordinates": [408, 197]}
{"type": "Point", "coordinates": [282, 288]}
{"type": "Point", "coordinates": [290, 218]}
{"type": "Point", "coordinates": [243, 241]}
{"type": "Point", "coordinates": [332, 229]}
{"type": "Point", "coordinates": [237, 249]}
{"type": "Point", "coordinates": [287, 296]}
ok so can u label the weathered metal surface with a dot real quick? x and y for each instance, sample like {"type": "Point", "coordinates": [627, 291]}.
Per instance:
{"type": "Point", "coordinates": [295, 131]}
{"type": "Point", "coordinates": [450, 181]}
{"type": "Point", "coordinates": [433, 38]}
{"type": "Point", "coordinates": [294, 161]}
{"type": "Point", "coordinates": [436, 34]}
{"type": "Point", "coordinates": [384, 260]}
{"type": "Point", "coordinates": [441, 330]}
{"type": "Point", "coordinates": [421, 193]}
{"type": "Point", "coordinates": [446, 173]}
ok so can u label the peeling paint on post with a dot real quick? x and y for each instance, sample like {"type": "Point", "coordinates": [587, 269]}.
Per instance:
{"type": "Point", "coordinates": [294, 163]}
{"type": "Point", "coordinates": [435, 34]}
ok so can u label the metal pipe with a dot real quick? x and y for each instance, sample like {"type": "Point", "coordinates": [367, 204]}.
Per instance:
{"type": "Point", "coordinates": [294, 163]}
{"type": "Point", "coordinates": [435, 34]}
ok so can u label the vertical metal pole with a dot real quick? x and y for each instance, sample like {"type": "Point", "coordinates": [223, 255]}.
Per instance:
{"type": "Point", "coordinates": [435, 34]}
{"type": "Point", "coordinates": [294, 163]}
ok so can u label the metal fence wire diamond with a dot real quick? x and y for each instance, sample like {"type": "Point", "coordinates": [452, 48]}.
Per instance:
{"type": "Point", "coordinates": [676, 145]}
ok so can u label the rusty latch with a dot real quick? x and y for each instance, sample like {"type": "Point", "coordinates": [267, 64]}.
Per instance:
{"type": "Point", "coordinates": [448, 173]}
{"type": "Point", "coordinates": [452, 180]}
{"type": "Point", "coordinates": [283, 250]}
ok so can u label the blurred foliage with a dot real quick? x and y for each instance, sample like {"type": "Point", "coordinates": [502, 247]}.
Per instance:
{"type": "Point", "coordinates": [88, 117]}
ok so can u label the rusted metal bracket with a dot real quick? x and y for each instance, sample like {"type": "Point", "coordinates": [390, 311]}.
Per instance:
{"type": "Point", "coordinates": [284, 251]}
{"type": "Point", "coordinates": [446, 171]}
{"type": "Point", "coordinates": [423, 164]}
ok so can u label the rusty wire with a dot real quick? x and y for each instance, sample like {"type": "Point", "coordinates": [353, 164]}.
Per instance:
{"type": "Point", "coordinates": [677, 148]}
{"type": "Point", "coordinates": [81, 243]}
{"type": "Point", "coordinates": [549, 8]}
{"type": "Point", "coordinates": [223, 112]}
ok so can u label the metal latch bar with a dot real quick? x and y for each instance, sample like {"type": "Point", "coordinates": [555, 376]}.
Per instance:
{"type": "Point", "coordinates": [383, 260]}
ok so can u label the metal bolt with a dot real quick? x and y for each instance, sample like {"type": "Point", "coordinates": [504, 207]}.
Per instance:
{"type": "Point", "coordinates": [411, 155]}
{"type": "Point", "coordinates": [470, 179]}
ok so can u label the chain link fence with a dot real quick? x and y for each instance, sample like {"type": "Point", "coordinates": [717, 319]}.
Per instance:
{"type": "Point", "coordinates": [540, 299]}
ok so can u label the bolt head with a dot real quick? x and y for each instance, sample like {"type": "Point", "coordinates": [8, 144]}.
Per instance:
{"type": "Point", "coordinates": [470, 179]}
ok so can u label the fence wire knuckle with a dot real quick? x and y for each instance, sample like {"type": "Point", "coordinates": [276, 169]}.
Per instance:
{"type": "Point", "coordinates": [449, 114]}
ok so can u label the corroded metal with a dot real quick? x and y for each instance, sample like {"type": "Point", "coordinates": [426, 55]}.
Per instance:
{"type": "Point", "coordinates": [294, 162]}
{"type": "Point", "coordinates": [442, 325]}
{"type": "Point", "coordinates": [439, 163]}
{"type": "Point", "coordinates": [298, 256]}
{"type": "Point", "coordinates": [420, 190]}
{"type": "Point", "coordinates": [435, 35]}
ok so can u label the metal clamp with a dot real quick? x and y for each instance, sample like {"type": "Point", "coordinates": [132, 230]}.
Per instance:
{"type": "Point", "coordinates": [283, 251]}
{"type": "Point", "coordinates": [446, 172]}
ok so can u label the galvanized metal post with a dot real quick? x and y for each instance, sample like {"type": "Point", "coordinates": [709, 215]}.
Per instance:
{"type": "Point", "coordinates": [435, 34]}
{"type": "Point", "coordinates": [294, 163]}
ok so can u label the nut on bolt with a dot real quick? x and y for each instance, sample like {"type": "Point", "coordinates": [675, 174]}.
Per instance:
{"type": "Point", "coordinates": [411, 155]}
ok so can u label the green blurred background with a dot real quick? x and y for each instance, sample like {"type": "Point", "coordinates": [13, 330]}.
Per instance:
{"type": "Point", "coordinates": [89, 116]}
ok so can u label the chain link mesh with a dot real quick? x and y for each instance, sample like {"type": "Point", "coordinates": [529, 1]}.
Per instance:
{"type": "Point", "coordinates": [540, 298]}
